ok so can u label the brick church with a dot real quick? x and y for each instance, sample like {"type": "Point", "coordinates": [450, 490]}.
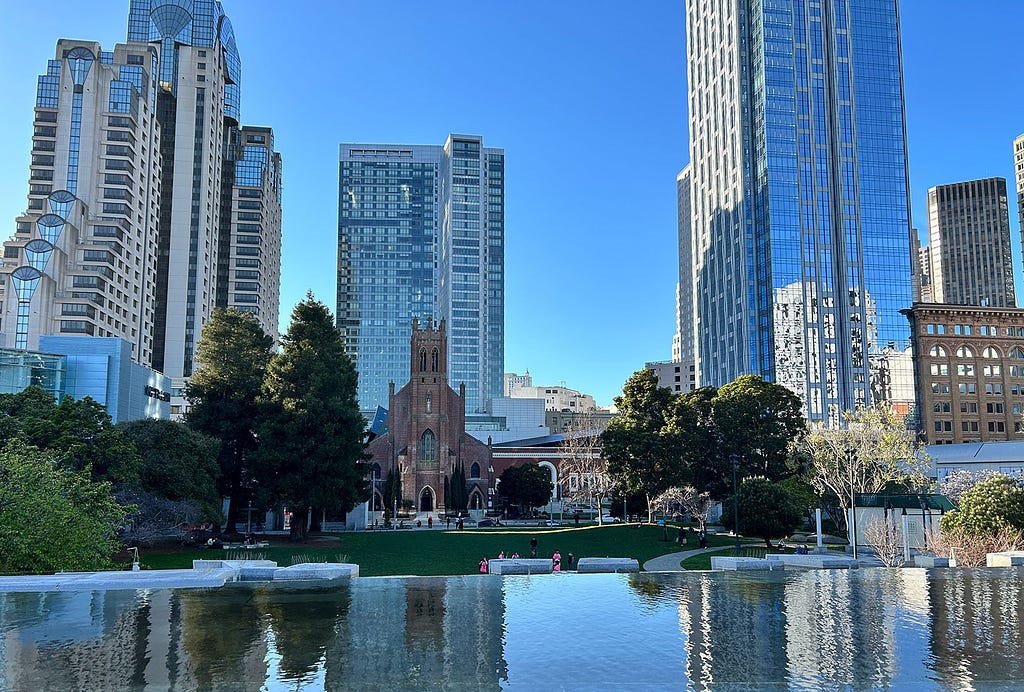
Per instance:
{"type": "Point", "coordinates": [426, 437]}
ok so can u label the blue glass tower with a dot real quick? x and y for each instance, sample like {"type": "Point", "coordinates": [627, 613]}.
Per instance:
{"type": "Point", "coordinates": [800, 215]}
{"type": "Point", "coordinates": [421, 234]}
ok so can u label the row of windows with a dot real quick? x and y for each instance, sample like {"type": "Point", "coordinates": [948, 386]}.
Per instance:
{"type": "Point", "coordinates": [967, 330]}
{"type": "Point", "coordinates": [990, 352]}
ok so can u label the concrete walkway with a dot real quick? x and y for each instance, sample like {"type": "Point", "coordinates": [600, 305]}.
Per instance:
{"type": "Point", "coordinates": [670, 562]}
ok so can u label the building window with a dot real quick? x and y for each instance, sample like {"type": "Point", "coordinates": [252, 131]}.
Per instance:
{"type": "Point", "coordinates": [428, 446]}
{"type": "Point", "coordinates": [474, 471]}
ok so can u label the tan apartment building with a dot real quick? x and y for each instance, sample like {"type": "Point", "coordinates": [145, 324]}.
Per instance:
{"type": "Point", "coordinates": [969, 363]}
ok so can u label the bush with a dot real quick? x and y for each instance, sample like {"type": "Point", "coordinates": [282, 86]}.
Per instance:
{"type": "Point", "coordinates": [992, 505]}
{"type": "Point", "coordinates": [766, 510]}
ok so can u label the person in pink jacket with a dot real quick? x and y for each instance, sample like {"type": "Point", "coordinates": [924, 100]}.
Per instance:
{"type": "Point", "coordinates": [556, 559]}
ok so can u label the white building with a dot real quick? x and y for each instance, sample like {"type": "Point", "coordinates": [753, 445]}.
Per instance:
{"type": "Point", "coordinates": [558, 398]}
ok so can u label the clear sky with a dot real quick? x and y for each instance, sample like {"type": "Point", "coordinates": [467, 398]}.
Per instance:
{"type": "Point", "coordinates": [588, 99]}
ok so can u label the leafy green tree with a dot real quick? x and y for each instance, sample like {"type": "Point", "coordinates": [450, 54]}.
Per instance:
{"type": "Point", "coordinates": [760, 422]}
{"type": "Point", "coordinates": [644, 453]}
{"type": "Point", "coordinates": [526, 486]}
{"type": "Point", "coordinates": [312, 453]}
{"type": "Point", "coordinates": [78, 433]}
{"type": "Point", "coordinates": [178, 463]}
{"type": "Point", "coordinates": [765, 508]}
{"type": "Point", "coordinates": [53, 518]}
{"type": "Point", "coordinates": [994, 504]}
{"type": "Point", "coordinates": [232, 357]}
{"type": "Point", "coordinates": [885, 452]}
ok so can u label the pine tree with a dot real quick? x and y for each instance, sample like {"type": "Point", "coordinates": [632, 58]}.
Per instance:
{"type": "Point", "coordinates": [312, 449]}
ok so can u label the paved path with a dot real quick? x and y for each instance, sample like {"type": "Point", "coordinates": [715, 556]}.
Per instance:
{"type": "Point", "coordinates": [670, 562]}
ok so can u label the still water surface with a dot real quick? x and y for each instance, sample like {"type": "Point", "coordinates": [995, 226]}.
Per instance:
{"type": "Point", "coordinates": [863, 630]}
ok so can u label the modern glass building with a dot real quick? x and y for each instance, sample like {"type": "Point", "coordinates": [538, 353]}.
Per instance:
{"type": "Point", "coordinates": [800, 216]}
{"type": "Point", "coordinates": [421, 235]}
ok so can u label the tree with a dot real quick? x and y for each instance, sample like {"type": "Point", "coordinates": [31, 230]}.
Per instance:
{"type": "Point", "coordinates": [392, 493]}
{"type": "Point", "coordinates": [884, 452]}
{"type": "Point", "coordinates": [78, 433]}
{"type": "Point", "coordinates": [759, 422]}
{"type": "Point", "coordinates": [583, 466]}
{"type": "Point", "coordinates": [527, 486]}
{"type": "Point", "coordinates": [990, 506]}
{"type": "Point", "coordinates": [178, 464]}
{"type": "Point", "coordinates": [644, 454]}
{"type": "Point", "coordinates": [765, 509]}
{"type": "Point", "coordinates": [53, 518]}
{"type": "Point", "coordinates": [959, 482]}
{"type": "Point", "coordinates": [685, 500]}
{"type": "Point", "coordinates": [312, 451]}
{"type": "Point", "coordinates": [232, 357]}
{"type": "Point", "coordinates": [456, 496]}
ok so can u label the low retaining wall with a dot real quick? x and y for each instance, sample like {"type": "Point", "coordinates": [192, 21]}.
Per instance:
{"type": "Point", "coordinates": [1013, 558]}
{"type": "Point", "coordinates": [595, 565]}
{"type": "Point", "coordinates": [520, 565]}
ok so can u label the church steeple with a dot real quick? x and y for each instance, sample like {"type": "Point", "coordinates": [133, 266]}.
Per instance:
{"type": "Point", "coordinates": [429, 352]}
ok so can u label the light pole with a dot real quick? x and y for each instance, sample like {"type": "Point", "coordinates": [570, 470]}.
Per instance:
{"type": "Point", "coordinates": [735, 503]}
{"type": "Point", "coordinates": [851, 459]}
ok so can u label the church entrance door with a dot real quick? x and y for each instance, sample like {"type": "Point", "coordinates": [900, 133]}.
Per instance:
{"type": "Point", "coordinates": [427, 500]}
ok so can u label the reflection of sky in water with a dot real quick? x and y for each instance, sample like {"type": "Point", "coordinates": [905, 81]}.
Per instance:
{"type": "Point", "coordinates": [863, 630]}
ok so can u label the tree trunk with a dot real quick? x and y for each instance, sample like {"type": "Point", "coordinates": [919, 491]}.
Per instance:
{"type": "Point", "coordinates": [234, 493]}
{"type": "Point", "coordinates": [316, 519]}
{"type": "Point", "coordinates": [300, 516]}
{"type": "Point", "coordinates": [650, 510]}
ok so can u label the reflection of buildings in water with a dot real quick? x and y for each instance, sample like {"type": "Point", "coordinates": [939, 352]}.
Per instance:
{"type": "Point", "coordinates": [425, 629]}
{"type": "Point", "coordinates": [976, 630]}
{"type": "Point", "coordinates": [812, 629]}
{"type": "Point", "coordinates": [734, 628]}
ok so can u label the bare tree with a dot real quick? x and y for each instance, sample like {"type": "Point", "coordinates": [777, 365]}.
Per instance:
{"type": "Point", "coordinates": [884, 451]}
{"type": "Point", "coordinates": [685, 500]}
{"type": "Point", "coordinates": [971, 550]}
{"type": "Point", "coordinates": [583, 467]}
{"type": "Point", "coordinates": [886, 540]}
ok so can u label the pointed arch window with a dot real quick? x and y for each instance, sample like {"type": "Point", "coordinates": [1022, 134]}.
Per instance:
{"type": "Point", "coordinates": [433, 360]}
{"type": "Point", "coordinates": [428, 446]}
{"type": "Point", "coordinates": [474, 470]}
{"type": "Point", "coordinates": [423, 360]}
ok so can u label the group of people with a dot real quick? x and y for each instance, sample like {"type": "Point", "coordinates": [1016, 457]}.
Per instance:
{"type": "Point", "coordinates": [556, 558]}
{"type": "Point", "coordinates": [702, 538]}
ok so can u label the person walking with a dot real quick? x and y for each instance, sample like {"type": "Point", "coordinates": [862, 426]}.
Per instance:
{"type": "Point", "coordinates": [569, 560]}
{"type": "Point", "coordinates": [681, 538]}
{"type": "Point", "coordinates": [703, 538]}
{"type": "Point", "coordinates": [448, 521]}
{"type": "Point", "coordinates": [556, 561]}
{"type": "Point", "coordinates": [533, 547]}
{"type": "Point", "coordinates": [430, 521]}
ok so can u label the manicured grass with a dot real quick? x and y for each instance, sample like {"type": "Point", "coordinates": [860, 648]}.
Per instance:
{"type": "Point", "coordinates": [703, 561]}
{"type": "Point", "coordinates": [440, 552]}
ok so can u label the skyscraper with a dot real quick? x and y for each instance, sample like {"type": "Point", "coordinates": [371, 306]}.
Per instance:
{"type": "Point", "coordinates": [682, 344]}
{"type": "Point", "coordinates": [206, 158]}
{"type": "Point", "coordinates": [969, 238]}
{"type": "Point", "coordinates": [800, 215]}
{"type": "Point", "coordinates": [82, 259]}
{"type": "Point", "coordinates": [421, 235]}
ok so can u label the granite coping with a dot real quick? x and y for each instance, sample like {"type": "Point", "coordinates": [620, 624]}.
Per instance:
{"type": "Point", "coordinates": [520, 565]}
{"type": "Point", "coordinates": [594, 565]}
{"type": "Point", "coordinates": [1010, 558]}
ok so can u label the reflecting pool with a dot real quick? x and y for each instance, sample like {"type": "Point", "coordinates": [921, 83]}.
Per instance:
{"type": "Point", "coordinates": [867, 629]}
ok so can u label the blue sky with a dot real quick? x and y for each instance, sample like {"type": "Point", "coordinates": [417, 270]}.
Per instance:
{"type": "Point", "coordinates": [588, 99]}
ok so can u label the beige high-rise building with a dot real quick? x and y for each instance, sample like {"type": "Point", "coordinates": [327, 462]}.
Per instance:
{"type": "Point", "coordinates": [83, 257]}
{"type": "Point", "coordinates": [249, 258]}
{"type": "Point", "coordinates": [969, 237]}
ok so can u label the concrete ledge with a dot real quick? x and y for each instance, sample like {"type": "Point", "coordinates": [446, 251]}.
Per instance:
{"type": "Point", "coordinates": [930, 561]}
{"type": "Point", "coordinates": [316, 570]}
{"type": "Point", "coordinates": [742, 564]}
{"type": "Point", "coordinates": [1013, 558]}
{"type": "Point", "coordinates": [520, 566]}
{"type": "Point", "coordinates": [595, 565]}
{"type": "Point", "coordinates": [818, 561]}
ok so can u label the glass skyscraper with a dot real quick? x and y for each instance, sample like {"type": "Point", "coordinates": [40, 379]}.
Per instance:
{"type": "Point", "coordinates": [421, 235]}
{"type": "Point", "coordinates": [800, 216]}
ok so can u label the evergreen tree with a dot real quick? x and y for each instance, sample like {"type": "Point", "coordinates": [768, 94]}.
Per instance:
{"type": "Point", "coordinates": [312, 452]}
{"type": "Point", "coordinates": [232, 354]}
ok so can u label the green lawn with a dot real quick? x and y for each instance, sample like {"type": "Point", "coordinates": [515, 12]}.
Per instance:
{"type": "Point", "coordinates": [703, 561]}
{"type": "Point", "coordinates": [440, 552]}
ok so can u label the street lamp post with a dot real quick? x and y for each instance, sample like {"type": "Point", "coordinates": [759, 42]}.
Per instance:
{"type": "Point", "coordinates": [851, 459]}
{"type": "Point", "coordinates": [735, 503]}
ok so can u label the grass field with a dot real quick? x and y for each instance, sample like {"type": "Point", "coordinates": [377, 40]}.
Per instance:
{"type": "Point", "coordinates": [440, 552]}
